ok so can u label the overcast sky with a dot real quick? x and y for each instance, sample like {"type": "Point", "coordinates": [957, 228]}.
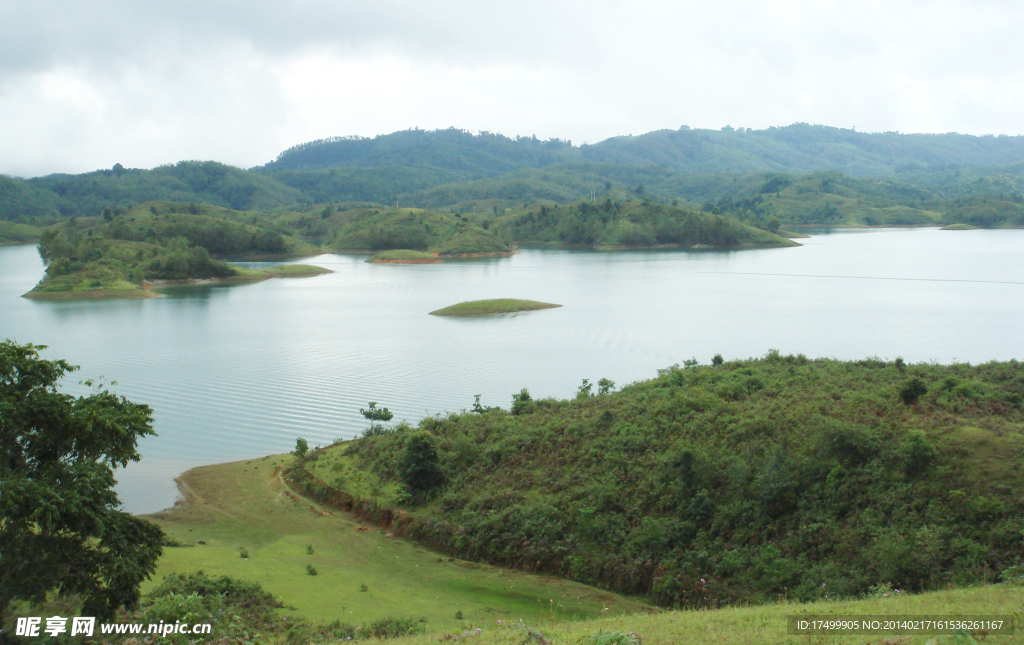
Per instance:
{"type": "Point", "coordinates": [85, 84]}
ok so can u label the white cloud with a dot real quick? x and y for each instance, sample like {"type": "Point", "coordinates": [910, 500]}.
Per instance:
{"type": "Point", "coordinates": [87, 84]}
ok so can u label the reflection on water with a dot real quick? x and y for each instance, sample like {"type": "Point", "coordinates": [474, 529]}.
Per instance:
{"type": "Point", "coordinates": [241, 371]}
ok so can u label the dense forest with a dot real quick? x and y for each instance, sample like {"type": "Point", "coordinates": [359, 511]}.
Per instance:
{"type": "Point", "coordinates": [800, 175]}
{"type": "Point", "coordinates": [734, 482]}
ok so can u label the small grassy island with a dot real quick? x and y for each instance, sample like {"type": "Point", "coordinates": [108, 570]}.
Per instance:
{"type": "Point", "coordinates": [959, 226]}
{"type": "Point", "coordinates": [404, 256]}
{"type": "Point", "coordinates": [125, 255]}
{"type": "Point", "coordinates": [491, 307]}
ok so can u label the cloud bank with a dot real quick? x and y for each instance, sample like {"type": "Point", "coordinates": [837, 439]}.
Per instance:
{"type": "Point", "coordinates": [84, 85]}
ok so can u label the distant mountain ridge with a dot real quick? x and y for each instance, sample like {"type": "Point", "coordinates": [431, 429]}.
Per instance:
{"type": "Point", "coordinates": [795, 148]}
{"type": "Point", "coordinates": [460, 172]}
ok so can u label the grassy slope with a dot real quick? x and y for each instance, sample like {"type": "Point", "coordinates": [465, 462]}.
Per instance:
{"type": "Point", "coordinates": [490, 307]}
{"type": "Point", "coordinates": [248, 504]}
{"type": "Point", "coordinates": [762, 475]}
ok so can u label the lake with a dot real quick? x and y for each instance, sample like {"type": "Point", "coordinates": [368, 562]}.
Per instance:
{"type": "Point", "coordinates": [240, 372]}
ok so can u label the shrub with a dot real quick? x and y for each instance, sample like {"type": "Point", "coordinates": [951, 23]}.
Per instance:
{"type": "Point", "coordinates": [394, 627]}
{"type": "Point", "coordinates": [1014, 575]}
{"type": "Point", "coordinates": [311, 570]}
{"type": "Point", "coordinates": [420, 468]}
{"type": "Point", "coordinates": [913, 389]}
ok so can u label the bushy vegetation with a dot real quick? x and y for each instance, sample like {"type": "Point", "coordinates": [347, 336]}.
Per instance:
{"type": "Point", "coordinates": [742, 482]}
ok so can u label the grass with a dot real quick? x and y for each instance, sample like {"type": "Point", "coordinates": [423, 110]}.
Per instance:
{"type": "Point", "coordinates": [767, 623]}
{"type": "Point", "coordinates": [248, 505]}
{"type": "Point", "coordinates": [491, 307]}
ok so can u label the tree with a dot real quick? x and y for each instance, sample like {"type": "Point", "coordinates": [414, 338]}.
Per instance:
{"type": "Point", "coordinates": [420, 468]}
{"type": "Point", "coordinates": [301, 447]}
{"type": "Point", "coordinates": [60, 527]}
{"type": "Point", "coordinates": [373, 415]}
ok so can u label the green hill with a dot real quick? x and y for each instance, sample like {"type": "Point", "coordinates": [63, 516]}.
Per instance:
{"type": "Point", "coordinates": [798, 148]}
{"type": "Point", "coordinates": [88, 194]}
{"type": "Point", "coordinates": [377, 229]}
{"type": "Point", "coordinates": [616, 224]}
{"type": "Point", "coordinates": [873, 179]}
{"type": "Point", "coordinates": [729, 483]}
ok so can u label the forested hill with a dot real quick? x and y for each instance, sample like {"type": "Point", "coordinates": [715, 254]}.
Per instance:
{"type": "Point", "coordinates": [796, 148]}
{"type": "Point", "coordinates": [88, 194]}
{"type": "Point", "coordinates": [464, 154]}
{"type": "Point", "coordinates": [817, 175]}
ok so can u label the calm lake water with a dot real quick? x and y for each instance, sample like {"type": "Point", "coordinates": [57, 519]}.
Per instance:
{"type": "Point", "coordinates": [240, 372]}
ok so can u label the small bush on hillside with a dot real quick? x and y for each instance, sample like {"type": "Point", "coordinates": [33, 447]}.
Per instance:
{"type": "Point", "coordinates": [522, 403]}
{"type": "Point", "coordinates": [394, 627]}
{"type": "Point", "coordinates": [913, 389]}
{"type": "Point", "coordinates": [311, 570]}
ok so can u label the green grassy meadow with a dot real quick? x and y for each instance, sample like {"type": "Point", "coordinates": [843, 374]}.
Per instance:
{"type": "Point", "coordinates": [248, 505]}
{"type": "Point", "coordinates": [491, 307]}
{"type": "Point", "coordinates": [759, 625]}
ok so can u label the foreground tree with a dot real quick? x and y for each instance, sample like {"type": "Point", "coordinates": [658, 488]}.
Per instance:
{"type": "Point", "coordinates": [60, 527]}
